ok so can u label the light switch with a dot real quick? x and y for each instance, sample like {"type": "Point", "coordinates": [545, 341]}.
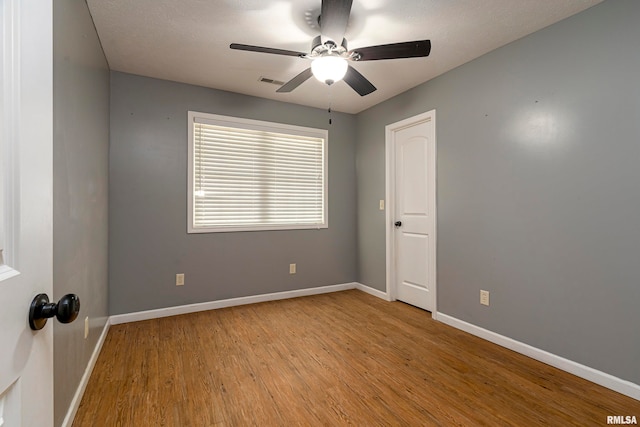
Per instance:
{"type": "Point", "coordinates": [381, 205]}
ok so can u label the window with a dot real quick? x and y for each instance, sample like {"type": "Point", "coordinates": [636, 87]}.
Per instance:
{"type": "Point", "coordinates": [249, 175]}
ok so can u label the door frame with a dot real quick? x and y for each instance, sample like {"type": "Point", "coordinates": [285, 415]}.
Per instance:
{"type": "Point", "coordinates": [390, 197]}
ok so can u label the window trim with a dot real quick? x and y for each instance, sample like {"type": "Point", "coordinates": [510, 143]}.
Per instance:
{"type": "Point", "coordinates": [242, 123]}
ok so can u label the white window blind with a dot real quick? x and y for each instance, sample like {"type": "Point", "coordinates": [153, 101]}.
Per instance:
{"type": "Point", "coordinates": [251, 175]}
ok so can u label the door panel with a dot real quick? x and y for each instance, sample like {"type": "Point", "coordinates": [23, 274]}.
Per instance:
{"type": "Point", "coordinates": [412, 158]}
{"type": "Point", "coordinates": [413, 245]}
{"type": "Point", "coordinates": [26, 143]}
{"type": "Point", "coordinates": [413, 148]}
{"type": "Point", "coordinates": [414, 283]}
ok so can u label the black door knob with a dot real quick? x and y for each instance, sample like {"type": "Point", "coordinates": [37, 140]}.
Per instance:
{"type": "Point", "coordinates": [398, 223]}
{"type": "Point", "coordinates": [66, 310]}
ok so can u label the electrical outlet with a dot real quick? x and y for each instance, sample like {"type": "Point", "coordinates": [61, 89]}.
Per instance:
{"type": "Point", "coordinates": [381, 205]}
{"type": "Point", "coordinates": [180, 279]}
{"type": "Point", "coordinates": [86, 327]}
{"type": "Point", "coordinates": [484, 297]}
{"type": "Point", "coordinates": [292, 269]}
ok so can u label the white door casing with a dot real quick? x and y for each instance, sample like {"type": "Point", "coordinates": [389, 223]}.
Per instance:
{"type": "Point", "coordinates": [411, 195]}
{"type": "Point", "coordinates": [26, 166]}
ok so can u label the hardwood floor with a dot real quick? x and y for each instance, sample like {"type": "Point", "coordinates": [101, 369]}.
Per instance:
{"type": "Point", "coordinates": [333, 359]}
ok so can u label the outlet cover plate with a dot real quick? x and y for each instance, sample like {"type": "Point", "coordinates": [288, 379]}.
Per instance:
{"type": "Point", "coordinates": [484, 297]}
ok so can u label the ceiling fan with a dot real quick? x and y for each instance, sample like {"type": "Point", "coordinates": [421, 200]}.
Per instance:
{"type": "Point", "coordinates": [329, 52]}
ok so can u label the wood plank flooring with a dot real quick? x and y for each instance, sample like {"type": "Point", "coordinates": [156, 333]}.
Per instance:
{"type": "Point", "coordinates": [344, 358]}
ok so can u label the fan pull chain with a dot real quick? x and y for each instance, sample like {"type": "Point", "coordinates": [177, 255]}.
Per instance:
{"type": "Point", "coordinates": [329, 110]}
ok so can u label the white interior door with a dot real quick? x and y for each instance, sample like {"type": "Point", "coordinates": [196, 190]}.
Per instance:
{"type": "Point", "coordinates": [412, 148]}
{"type": "Point", "coordinates": [26, 138]}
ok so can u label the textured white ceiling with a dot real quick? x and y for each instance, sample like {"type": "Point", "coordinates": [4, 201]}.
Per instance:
{"type": "Point", "coordinates": [188, 40]}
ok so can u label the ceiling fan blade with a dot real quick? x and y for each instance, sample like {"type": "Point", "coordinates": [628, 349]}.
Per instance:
{"type": "Point", "coordinates": [296, 81]}
{"type": "Point", "coordinates": [261, 49]}
{"type": "Point", "coordinates": [413, 49]}
{"type": "Point", "coordinates": [334, 17]}
{"type": "Point", "coordinates": [358, 82]}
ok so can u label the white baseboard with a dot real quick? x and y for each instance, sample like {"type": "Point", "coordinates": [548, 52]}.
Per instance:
{"type": "Point", "coordinates": [77, 397]}
{"type": "Point", "coordinates": [213, 305]}
{"type": "Point", "coordinates": [371, 291]}
{"type": "Point", "coordinates": [609, 381]}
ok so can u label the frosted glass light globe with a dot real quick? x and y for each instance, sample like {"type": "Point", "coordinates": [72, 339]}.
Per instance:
{"type": "Point", "coordinates": [329, 69]}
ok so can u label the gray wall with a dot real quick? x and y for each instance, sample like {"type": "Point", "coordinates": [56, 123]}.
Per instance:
{"type": "Point", "coordinates": [538, 188]}
{"type": "Point", "coordinates": [80, 168]}
{"type": "Point", "coordinates": [148, 205]}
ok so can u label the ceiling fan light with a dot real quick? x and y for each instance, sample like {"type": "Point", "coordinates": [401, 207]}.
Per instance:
{"type": "Point", "coordinates": [329, 69]}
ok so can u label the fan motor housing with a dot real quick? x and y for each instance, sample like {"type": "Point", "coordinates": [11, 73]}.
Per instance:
{"type": "Point", "coordinates": [318, 48]}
